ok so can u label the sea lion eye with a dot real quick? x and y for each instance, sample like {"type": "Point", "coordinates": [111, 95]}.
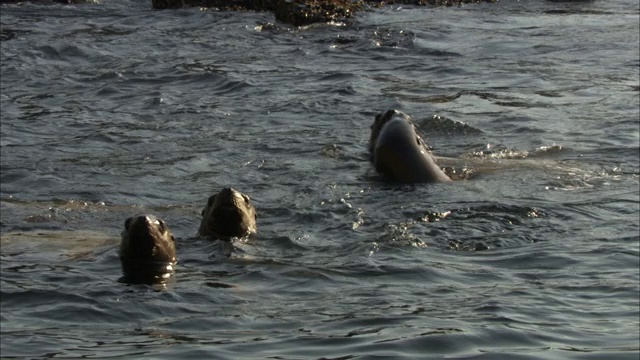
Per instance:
{"type": "Point", "coordinates": [246, 198]}
{"type": "Point", "coordinates": [127, 223]}
{"type": "Point", "coordinates": [163, 226]}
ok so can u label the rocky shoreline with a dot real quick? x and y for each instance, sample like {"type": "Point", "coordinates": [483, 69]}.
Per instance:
{"type": "Point", "coordinates": [293, 12]}
{"type": "Point", "coordinates": [305, 12]}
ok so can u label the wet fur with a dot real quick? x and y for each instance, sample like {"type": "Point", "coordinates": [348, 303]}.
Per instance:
{"type": "Point", "coordinates": [228, 213]}
{"type": "Point", "coordinates": [399, 153]}
{"type": "Point", "coordinates": [147, 248]}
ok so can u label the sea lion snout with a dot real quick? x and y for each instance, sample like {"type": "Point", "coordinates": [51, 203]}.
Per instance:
{"type": "Point", "coordinates": [147, 238]}
{"type": "Point", "coordinates": [398, 152]}
{"type": "Point", "coordinates": [147, 248]}
{"type": "Point", "coordinates": [379, 123]}
{"type": "Point", "coordinates": [229, 213]}
{"type": "Point", "coordinates": [144, 225]}
{"type": "Point", "coordinates": [232, 196]}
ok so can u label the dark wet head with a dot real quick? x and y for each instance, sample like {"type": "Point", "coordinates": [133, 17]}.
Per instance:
{"type": "Point", "coordinates": [398, 152]}
{"type": "Point", "coordinates": [228, 213]}
{"type": "Point", "coordinates": [147, 247]}
{"type": "Point", "coordinates": [379, 122]}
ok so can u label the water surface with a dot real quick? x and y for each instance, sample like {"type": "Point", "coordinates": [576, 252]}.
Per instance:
{"type": "Point", "coordinates": [114, 109]}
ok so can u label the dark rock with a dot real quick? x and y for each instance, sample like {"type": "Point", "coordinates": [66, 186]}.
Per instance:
{"type": "Point", "coordinates": [49, 1]}
{"type": "Point", "coordinates": [235, 5]}
{"type": "Point", "coordinates": [294, 12]}
{"type": "Point", "coordinates": [303, 12]}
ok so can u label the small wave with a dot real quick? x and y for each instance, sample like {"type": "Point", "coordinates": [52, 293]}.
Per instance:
{"type": "Point", "coordinates": [572, 178]}
{"type": "Point", "coordinates": [399, 235]}
{"type": "Point", "coordinates": [440, 125]}
{"type": "Point", "coordinates": [502, 153]}
{"type": "Point", "coordinates": [197, 66]}
{"type": "Point", "coordinates": [391, 39]}
{"type": "Point", "coordinates": [485, 226]}
{"type": "Point", "coordinates": [499, 152]}
{"type": "Point", "coordinates": [271, 27]}
{"type": "Point", "coordinates": [8, 34]}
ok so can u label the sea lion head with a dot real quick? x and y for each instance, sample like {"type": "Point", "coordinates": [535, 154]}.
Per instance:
{"type": "Point", "coordinates": [228, 213]}
{"type": "Point", "coordinates": [379, 122]}
{"type": "Point", "coordinates": [399, 153]}
{"type": "Point", "coordinates": [147, 248]}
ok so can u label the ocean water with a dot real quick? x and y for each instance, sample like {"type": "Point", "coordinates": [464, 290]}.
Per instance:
{"type": "Point", "coordinates": [114, 109]}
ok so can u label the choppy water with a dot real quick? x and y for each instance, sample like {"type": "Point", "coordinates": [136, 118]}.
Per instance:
{"type": "Point", "coordinates": [113, 109]}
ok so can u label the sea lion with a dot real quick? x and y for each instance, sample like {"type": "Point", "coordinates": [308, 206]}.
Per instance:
{"type": "Point", "coordinates": [399, 153]}
{"type": "Point", "coordinates": [147, 249]}
{"type": "Point", "coordinates": [228, 213]}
